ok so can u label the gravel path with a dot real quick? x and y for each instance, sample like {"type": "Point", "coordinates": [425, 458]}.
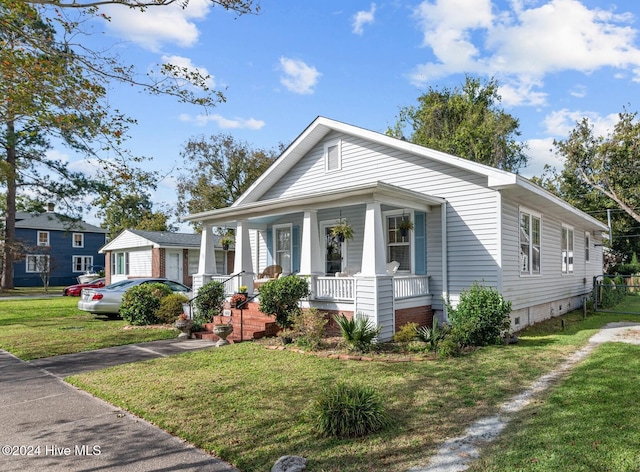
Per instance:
{"type": "Point", "coordinates": [457, 453]}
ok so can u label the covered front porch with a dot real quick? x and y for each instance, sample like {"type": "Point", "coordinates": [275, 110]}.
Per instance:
{"type": "Point", "coordinates": [380, 272]}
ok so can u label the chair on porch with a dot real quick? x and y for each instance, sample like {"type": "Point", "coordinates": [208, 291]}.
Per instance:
{"type": "Point", "coordinates": [272, 272]}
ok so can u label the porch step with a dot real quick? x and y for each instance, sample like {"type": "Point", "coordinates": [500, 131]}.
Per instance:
{"type": "Point", "coordinates": [255, 324]}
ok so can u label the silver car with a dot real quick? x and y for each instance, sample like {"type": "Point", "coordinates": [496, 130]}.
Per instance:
{"type": "Point", "coordinates": [107, 300]}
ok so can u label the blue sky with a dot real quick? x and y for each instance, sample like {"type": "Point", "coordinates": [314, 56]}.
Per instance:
{"type": "Point", "coordinates": [361, 61]}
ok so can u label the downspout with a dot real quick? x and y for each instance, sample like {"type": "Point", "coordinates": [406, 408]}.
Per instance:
{"type": "Point", "coordinates": [499, 240]}
{"type": "Point", "coordinates": [445, 268]}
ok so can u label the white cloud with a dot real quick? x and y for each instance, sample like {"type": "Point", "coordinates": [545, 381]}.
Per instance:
{"type": "Point", "coordinates": [185, 62]}
{"type": "Point", "coordinates": [561, 122]}
{"type": "Point", "coordinates": [298, 77]}
{"type": "Point", "coordinates": [523, 44]}
{"type": "Point", "coordinates": [156, 26]}
{"type": "Point", "coordinates": [362, 18]}
{"type": "Point", "coordinates": [541, 152]}
{"type": "Point", "coordinates": [222, 122]}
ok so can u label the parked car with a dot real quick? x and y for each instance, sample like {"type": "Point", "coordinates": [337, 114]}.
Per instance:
{"type": "Point", "coordinates": [75, 290]}
{"type": "Point", "coordinates": [107, 300]}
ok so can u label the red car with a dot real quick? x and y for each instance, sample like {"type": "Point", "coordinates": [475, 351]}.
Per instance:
{"type": "Point", "coordinates": [76, 290]}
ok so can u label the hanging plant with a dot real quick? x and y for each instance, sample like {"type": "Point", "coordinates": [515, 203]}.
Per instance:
{"type": "Point", "coordinates": [226, 241]}
{"type": "Point", "coordinates": [342, 231]}
{"type": "Point", "coordinates": [405, 225]}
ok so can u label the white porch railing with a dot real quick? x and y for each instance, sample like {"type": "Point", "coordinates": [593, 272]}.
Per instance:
{"type": "Point", "coordinates": [334, 288]}
{"type": "Point", "coordinates": [343, 288]}
{"type": "Point", "coordinates": [410, 286]}
{"type": "Point", "coordinates": [229, 286]}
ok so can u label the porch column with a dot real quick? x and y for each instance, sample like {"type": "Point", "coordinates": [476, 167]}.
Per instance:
{"type": "Point", "coordinates": [374, 287]}
{"type": "Point", "coordinates": [242, 261]}
{"type": "Point", "coordinates": [374, 259]}
{"type": "Point", "coordinates": [311, 250]}
{"type": "Point", "coordinates": [207, 260]}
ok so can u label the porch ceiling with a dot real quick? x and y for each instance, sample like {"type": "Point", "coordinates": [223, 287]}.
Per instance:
{"type": "Point", "coordinates": [376, 192]}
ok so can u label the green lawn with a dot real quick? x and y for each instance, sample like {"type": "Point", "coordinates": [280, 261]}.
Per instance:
{"type": "Point", "coordinates": [249, 405]}
{"type": "Point", "coordinates": [33, 328]}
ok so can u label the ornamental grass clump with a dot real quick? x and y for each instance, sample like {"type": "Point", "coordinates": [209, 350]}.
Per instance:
{"type": "Point", "coordinates": [349, 411]}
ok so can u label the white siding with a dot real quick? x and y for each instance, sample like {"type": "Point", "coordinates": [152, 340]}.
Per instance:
{"type": "Point", "coordinates": [140, 263]}
{"type": "Point", "coordinates": [472, 209]}
{"type": "Point", "coordinates": [551, 284]}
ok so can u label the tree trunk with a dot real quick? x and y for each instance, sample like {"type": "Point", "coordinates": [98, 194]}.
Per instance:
{"type": "Point", "coordinates": [8, 251]}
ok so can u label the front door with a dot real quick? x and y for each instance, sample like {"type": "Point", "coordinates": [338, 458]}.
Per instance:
{"type": "Point", "coordinates": [173, 268]}
{"type": "Point", "coordinates": [333, 261]}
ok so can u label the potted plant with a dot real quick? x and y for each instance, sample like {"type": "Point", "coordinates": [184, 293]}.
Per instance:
{"type": "Point", "coordinates": [237, 299]}
{"type": "Point", "coordinates": [226, 241]}
{"type": "Point", "coordinates": [342, 231]}
{"type": "Point", "coordinates": [183, 323]}
{"type": "Point", "coordinates": [404, 226]}
{"type": "Point", "coordinates": [242, 289]}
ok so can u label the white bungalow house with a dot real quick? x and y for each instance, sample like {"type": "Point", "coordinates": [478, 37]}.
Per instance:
{"type": "Point", "coordinates": [471, 223]}
{"type": "Point", "coordinates": [136, 253]}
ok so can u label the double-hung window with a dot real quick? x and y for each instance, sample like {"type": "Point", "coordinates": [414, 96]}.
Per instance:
{"type": "Point", "coordinates": [37, 263]}
{"type": "Point", "coordinates": [567, 250]}
{"type": "Point", "coordinates": [399, 242]}
{"type": "Point", "coordinates": [43, 238]}
{"type": "Point", "coordinates": [78, 240]}
{"type": "Point", "coordinates": [530, 247]}
{"type": "Point", "coordinates": [120, 263]}
{"type": "Point", "coordinates": [587, 246]}
{"type": "Point", "coordinates": [82, 263]}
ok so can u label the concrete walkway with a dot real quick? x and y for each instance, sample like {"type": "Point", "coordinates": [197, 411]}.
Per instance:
{"type": "Point", "coordinates": [48, 425]}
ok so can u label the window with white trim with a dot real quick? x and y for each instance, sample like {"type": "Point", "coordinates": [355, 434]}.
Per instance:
{"type": "Point", "coordinates": [82, 263]}
{"type": "Point", "coordinates": [587, 247]}
{"type": "Point", "coordinates": [530, 247]}
{"type": "Point", "coordinates": [567, 250]}
{"type": "Point", "coordinates": [282, 247]}
{"type": "Point", "coordinates": [43, 238]}
{"type": "Point", "coordinates": [398, 242]}
{"type": "Point", "coordinates": [78, 240]}
{"type": "Point", "coordinates": [333, 156]}
{"type": "Point", "coordinates": [37, 263]}
{"type": "Point", "coordinates": [120, 263]}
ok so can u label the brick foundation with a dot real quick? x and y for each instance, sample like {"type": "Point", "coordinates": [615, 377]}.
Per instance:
{"type": "Point", "coordinates": [421, 315]}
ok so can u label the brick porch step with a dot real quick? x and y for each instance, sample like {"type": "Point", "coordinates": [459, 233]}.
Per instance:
{"type": "Point", "coordinates": [255, 324]}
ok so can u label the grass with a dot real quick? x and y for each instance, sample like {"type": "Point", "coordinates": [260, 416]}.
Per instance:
{"type": "Point", "coordinates": [591, 422]}
{"type": "Point", "coordinates": [250, 405]}
{"type": "Point", "coordinates": [33, 328]}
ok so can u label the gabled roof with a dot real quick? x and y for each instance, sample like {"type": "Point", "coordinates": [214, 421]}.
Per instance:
{"type": "Point", "coordinates": [497, 179]}
{"type": "Point", "coordinates": [322, 126]}
{"type": "Point", "coordinates": [157, 239]}
{"type": "Point", "coordinates": [51, 221]}
{"type": "Point", "coordinates": [169, 239]}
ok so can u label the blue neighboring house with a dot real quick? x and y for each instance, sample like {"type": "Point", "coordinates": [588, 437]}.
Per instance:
{"type": "Point", "coordinates": [70, 247]}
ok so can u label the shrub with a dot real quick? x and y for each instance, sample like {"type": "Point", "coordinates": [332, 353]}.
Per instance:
{"type": "Point", "coordinates": [449, 347]}
{"type": "Point", "coordinates": [434, 335]}
{"type": "Point", "coordinates": [358, 332]}
{"type": "Point", "coordinates": [481, 317]}
{"type": "Point", "coordinates": [141, 302]}
{"type": "Point", "coordinates": [171, 307]}
{"type": "Point", "coordinates": [406, 333]}
{"type": "Point", "coordinates": [309, 328]}
{"type": "Point", "coordinates": [208, 302]}
{"type": "Point", "coordinates": [349, 411]}
{"type": "Point", "coordinates": [281, 298]}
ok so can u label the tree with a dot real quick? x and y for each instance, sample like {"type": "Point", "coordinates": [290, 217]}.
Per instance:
{"type": "Point", "coordinates": [44, 96]}
{"type": "Point", "coordinates": [467, 123]}
{"type": "Point", "coordinates": [218, 171]}
{"type": "Point", "coordinates": [611, 164]}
